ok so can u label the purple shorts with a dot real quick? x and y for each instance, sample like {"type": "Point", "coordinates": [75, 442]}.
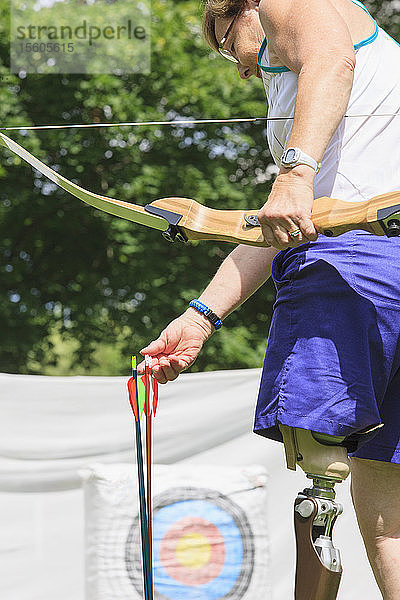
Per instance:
{"type": "Point", "coordinates": [332, 363]}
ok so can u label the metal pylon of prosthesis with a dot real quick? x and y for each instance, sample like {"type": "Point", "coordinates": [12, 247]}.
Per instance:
{"type": "Point", "coordinates": [318, 566]}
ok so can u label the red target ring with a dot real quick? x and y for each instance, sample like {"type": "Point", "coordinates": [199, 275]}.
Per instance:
{"type": "Point", "coordinates": [193, 551]}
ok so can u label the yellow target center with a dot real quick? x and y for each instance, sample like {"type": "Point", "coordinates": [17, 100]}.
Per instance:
{"type": "Point", "coordinates": [193, 550]}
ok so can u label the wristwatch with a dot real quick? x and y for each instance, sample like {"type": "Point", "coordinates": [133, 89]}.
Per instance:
{"type": "Point", "coordinates": [294, 156]}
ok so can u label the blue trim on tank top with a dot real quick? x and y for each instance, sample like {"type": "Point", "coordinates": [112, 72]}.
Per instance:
{"type": "Point", "coordinates": [372, 37]}
{"type": "Point", "coordinates": [365, 42]}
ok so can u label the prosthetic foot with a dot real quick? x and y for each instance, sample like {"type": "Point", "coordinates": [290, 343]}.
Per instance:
{"type": "Point", "coordinates": [325, 461]}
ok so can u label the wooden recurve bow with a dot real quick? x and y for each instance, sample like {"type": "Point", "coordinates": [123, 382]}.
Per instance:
{"type": "Point", "coordinates": [187, 220]}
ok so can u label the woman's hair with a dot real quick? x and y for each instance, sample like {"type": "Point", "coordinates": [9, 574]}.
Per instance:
{"type": "Point", "coordinates": [218, 9]}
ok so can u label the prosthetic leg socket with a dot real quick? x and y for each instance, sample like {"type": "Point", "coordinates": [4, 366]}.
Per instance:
{"type": "Point", "coordinates": [325, 461]}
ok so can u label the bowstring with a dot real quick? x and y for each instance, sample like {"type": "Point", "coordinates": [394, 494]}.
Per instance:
{"type": "Point", "coordinates": [181, 122]}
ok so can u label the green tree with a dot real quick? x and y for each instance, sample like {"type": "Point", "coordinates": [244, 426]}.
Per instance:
{"type": "Point", "coordinates": [97, 280]}
{"type": "Point", "coordinates": [100, 285]}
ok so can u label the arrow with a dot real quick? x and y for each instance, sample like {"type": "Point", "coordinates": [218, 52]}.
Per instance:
{"type": "Point", "coordinates": [148, 413]}
{"type": "Point", "coordinates": [143, 517]}
{"type": "Point", "coordinates": [148, 383]}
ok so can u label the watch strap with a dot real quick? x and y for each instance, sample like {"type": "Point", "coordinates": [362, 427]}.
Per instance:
{"type": "Point", "coordinates": [299, 158]}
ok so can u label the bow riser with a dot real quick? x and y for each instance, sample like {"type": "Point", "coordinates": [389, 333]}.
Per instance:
{"type": "Point", "coordinates": [331, 217]}
{"type": "Point", "coordinates": [199, 222]}
{"type": "Point", "coordinates": [380, 215]}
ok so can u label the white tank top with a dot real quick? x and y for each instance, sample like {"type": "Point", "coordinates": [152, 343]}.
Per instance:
{"type": "Point", "coordinates": [362, 159]}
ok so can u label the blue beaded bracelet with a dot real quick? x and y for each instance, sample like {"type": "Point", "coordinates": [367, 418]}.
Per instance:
{"type": "Point", "coordinates": [207, 312]}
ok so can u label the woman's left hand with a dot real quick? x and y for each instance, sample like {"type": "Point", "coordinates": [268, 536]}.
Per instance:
{"type": "Point", "coordinates": [288, 210]}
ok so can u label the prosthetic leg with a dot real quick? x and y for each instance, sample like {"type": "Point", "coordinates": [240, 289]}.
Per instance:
{"type": "Point", "coordinates": [325, 461]}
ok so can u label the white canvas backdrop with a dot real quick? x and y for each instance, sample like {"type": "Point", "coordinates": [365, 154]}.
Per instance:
{"type": "Point", "coordinates": [50, 427]}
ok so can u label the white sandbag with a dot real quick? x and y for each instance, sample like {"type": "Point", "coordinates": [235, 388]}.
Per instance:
{"type": "Point", "coordinates": [210, 536]}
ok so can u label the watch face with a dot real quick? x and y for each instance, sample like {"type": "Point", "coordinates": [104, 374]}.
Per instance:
{"type": "Point", "coordinates": [290, 155]}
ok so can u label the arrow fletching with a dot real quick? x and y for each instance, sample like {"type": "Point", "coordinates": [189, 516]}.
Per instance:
{"type": "Point", "coordinates": [146, 381]}
{"type": "Point", "coordinates": [154, 384]}
{"type": "Point", "coordinates": [133, 401]}
{"type": "Point", "coordinates": [145, 385]}
{"type": "Point", "coordinates": [132, 397]}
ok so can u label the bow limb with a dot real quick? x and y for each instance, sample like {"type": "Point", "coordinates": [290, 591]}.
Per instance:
{"type": "Point", "coordinates": [180, 218]}
{"type": "Point", "coordinates": [125, 210]}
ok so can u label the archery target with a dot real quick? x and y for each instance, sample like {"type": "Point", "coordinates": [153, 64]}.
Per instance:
{"type": "Point", "coordinates": [209, 533]}
{"type": "Point", "coordinates": [203, 546]}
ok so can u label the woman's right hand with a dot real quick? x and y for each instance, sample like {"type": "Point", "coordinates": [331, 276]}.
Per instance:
{"type": "Point", "coordinates": [178, 346]}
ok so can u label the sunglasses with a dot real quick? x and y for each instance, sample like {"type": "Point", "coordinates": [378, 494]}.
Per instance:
{"type": "Point", "coordinates": [226, 53]}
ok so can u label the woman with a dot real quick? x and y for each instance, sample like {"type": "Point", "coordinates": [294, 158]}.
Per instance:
{"type": "Point", "coordinates": [333, 359]}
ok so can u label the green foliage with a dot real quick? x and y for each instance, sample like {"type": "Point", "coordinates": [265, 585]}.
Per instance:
{"type": "Point", "coordinates": [387, 15]}
{"type": "Point", "coordinates": [99, 282]}
{"type": "Point", "coordinates": [83, 290]}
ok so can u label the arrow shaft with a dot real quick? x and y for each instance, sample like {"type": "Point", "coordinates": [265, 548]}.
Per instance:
{"type": "Point", "coordinates": [147, 576]}
{"type": "Point", "coordinates": [149, 492]}
{"type": "Point", "coordinates": [148, 413]}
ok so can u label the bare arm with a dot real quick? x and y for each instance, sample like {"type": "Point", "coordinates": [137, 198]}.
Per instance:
{"type": "Point", "coordinates": [240, 275]}
{"type": "Point", "coordinates": [311, 39]}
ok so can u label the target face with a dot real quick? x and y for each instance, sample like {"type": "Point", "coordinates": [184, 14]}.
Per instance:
{"type": "Point", "coordinates": [202, 547]}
